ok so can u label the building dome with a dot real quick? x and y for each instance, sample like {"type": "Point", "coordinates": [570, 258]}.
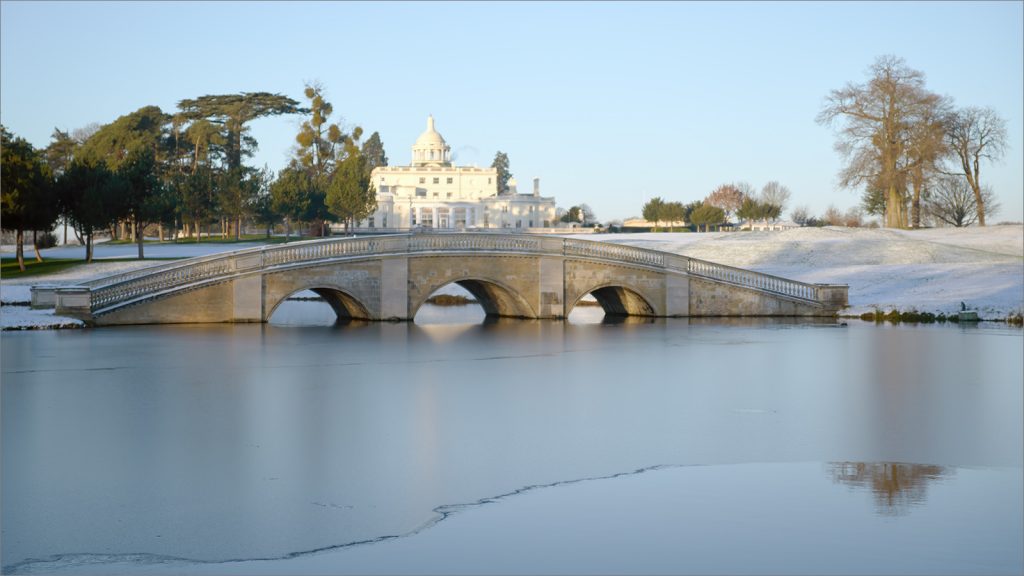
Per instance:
{"type": "Point", "coordinates": [430, 148]}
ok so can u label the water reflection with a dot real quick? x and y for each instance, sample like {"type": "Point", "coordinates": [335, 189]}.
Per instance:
{"type": "Point", "coordinates": [897, 487]}
{"type": "Point", "coordinates": [237, 441]}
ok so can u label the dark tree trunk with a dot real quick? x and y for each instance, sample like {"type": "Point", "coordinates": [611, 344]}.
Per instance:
{"type": "Point", "coordinates": [20, 250]}
{"type": "Point", "coordinates": [139, 237]}
{"type": "Point", "coordinates": [35, 245]}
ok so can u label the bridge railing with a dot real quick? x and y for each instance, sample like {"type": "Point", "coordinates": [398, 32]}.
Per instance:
{"type": "Point", "coordinates": [471, 242]}
{"type": "Point", "coordinates": [105, 292]}
{"type": "Point", "coordinates": [695, 267]}
{"type": "Point", "coordinates": [617, 252]}
{"type": "Point", "coordinates": [751, 279]}
{"type": "Point", "coordinates": [185, 273]}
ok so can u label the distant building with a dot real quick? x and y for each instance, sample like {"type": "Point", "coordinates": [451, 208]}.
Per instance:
{"type": "Point", "coordinates": [641, 223]}
{"type": "Point", "coordinates": [762, 225]}
{"type": "Point", "coordinates": [432, 193]}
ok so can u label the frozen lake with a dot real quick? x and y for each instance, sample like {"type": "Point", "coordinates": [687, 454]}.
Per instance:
{"type": "Point", "coordinates": [513, 446]}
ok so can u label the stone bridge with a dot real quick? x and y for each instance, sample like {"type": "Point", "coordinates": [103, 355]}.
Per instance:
{"type": "Point", "coordinates": [390, 277]}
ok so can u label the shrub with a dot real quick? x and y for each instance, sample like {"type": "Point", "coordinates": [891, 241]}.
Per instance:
{"type": "Point", "coordinates": [46, 240]}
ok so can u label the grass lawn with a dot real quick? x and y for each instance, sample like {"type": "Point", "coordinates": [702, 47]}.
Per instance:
{"type": "Point", "coordinates": [210, 240]}
{"type": "Point", "coordinates": [9, 266]}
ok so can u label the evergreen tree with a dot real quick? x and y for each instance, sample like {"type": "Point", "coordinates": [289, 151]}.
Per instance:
{"type": "Point", "coordinates": [261, 204]}
{"type": "Point", "coordinates": [143, 193]}
{"type": "Point", "coordinates": [26, 191]}
{"type": "Point", "coordinates": [87, 191]}
{"type": "Point", "coordinates": [113, 143]}
{"type": "Point", "coordinates": [291, 194]}
{"type": "Point", "coordinates": [501, 165]}
{"type": "Point", "coordinates": [707, 215]}
{"type": "Point", "coordinates": [673, 212]}
{"type": "Point", "coordinates": [350, 196]}
{"type": "Point", "coordinates": [233, 113]}
{"type": "Point", "coordinates": [653, 210]}
{"type": "Point", "coordinates": [59, 154]}
{"type": "Point", "coordinates": [373, 152]}
{"type": "Point", "coordinates": [574, 214]}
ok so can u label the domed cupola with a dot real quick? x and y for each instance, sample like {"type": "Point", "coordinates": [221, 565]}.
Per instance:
{"type": "Point", "coordinates": [430, 148]}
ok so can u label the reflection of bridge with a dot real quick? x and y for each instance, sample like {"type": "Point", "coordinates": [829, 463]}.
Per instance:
{"type": "Point", "coordinates": [389, 277]}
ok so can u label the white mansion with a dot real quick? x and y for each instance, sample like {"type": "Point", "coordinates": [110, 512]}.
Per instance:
{"type": "Point", "coordinates": [431, 193]}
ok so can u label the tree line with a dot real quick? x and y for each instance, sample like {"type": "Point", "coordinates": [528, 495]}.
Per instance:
{"type": "Point", "coordinates": [184, 171]}
{"type": "Point", "coordinates": [735, 200]}
{"type": "Point", "coordinates": [913, 151]}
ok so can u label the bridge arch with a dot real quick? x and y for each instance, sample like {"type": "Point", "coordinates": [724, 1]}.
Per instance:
{"type": "Point", "coordinates": [617, 300]}
{"type": "Point", "coordinates": [496, 298]}
{"type": "Point", "coordinates": [345, 306]}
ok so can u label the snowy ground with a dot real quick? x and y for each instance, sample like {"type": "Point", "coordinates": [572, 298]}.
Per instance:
{"type": "Point", "coordinates": [923, 270]}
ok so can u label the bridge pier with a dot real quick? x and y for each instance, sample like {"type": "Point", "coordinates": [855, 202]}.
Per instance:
{"type": "Point", "coordinates": [247, 299]}
{"type": "Point", "coordinates": [394, 289]}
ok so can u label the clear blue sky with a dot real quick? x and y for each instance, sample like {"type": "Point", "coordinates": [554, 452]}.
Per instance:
{"type": "Point", "coordinates": [608, 103]}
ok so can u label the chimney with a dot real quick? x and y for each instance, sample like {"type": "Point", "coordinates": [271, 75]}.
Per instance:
{"type": "Point", "coordinates": [536, 186]}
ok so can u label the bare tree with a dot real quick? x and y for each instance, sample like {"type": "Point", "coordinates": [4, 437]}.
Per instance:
{"type": "Point", "coordinates": [800, 215]}
{"type": "Point", "coordinates": [878, 117]}
{"type": "Point", "coordinates": [853, 218]}
{"type": "Point", "coordinates": [80, 135]}
{"type": "Point", "coordinates": [952, 201]}
{"type": "Point", "coordinates": [926, 147]}
{"type": "Point", "coordinates": [746, 189]}
{"type": "Point", "coordinates": [974, 134]}
{"type": "Point", "coordinates": [775, 194]}
{"type": "Point", "coordinates": [588, 215]}
{"type": "Point", "coordinates": [833, 217]}
{"type": "Point", "coordinates": [727, 197]}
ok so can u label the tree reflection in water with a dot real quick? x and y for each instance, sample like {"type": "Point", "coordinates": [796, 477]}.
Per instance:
{"type": "Point", "coordinates": [897, 486]}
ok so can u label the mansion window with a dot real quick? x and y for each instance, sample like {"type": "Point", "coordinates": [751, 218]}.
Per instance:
{"type": "Point", "coordinates": [450, 180]}
{"type": "Point", "coordinates": [437, 180]}
{"type": "Point", "coordinates": [423, 180]}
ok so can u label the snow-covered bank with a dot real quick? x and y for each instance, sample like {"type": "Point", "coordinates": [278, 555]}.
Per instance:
{"type": "Point", "coordinates": [24, 318]}
{"type": "Point", "coordinates": [923, 270]}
